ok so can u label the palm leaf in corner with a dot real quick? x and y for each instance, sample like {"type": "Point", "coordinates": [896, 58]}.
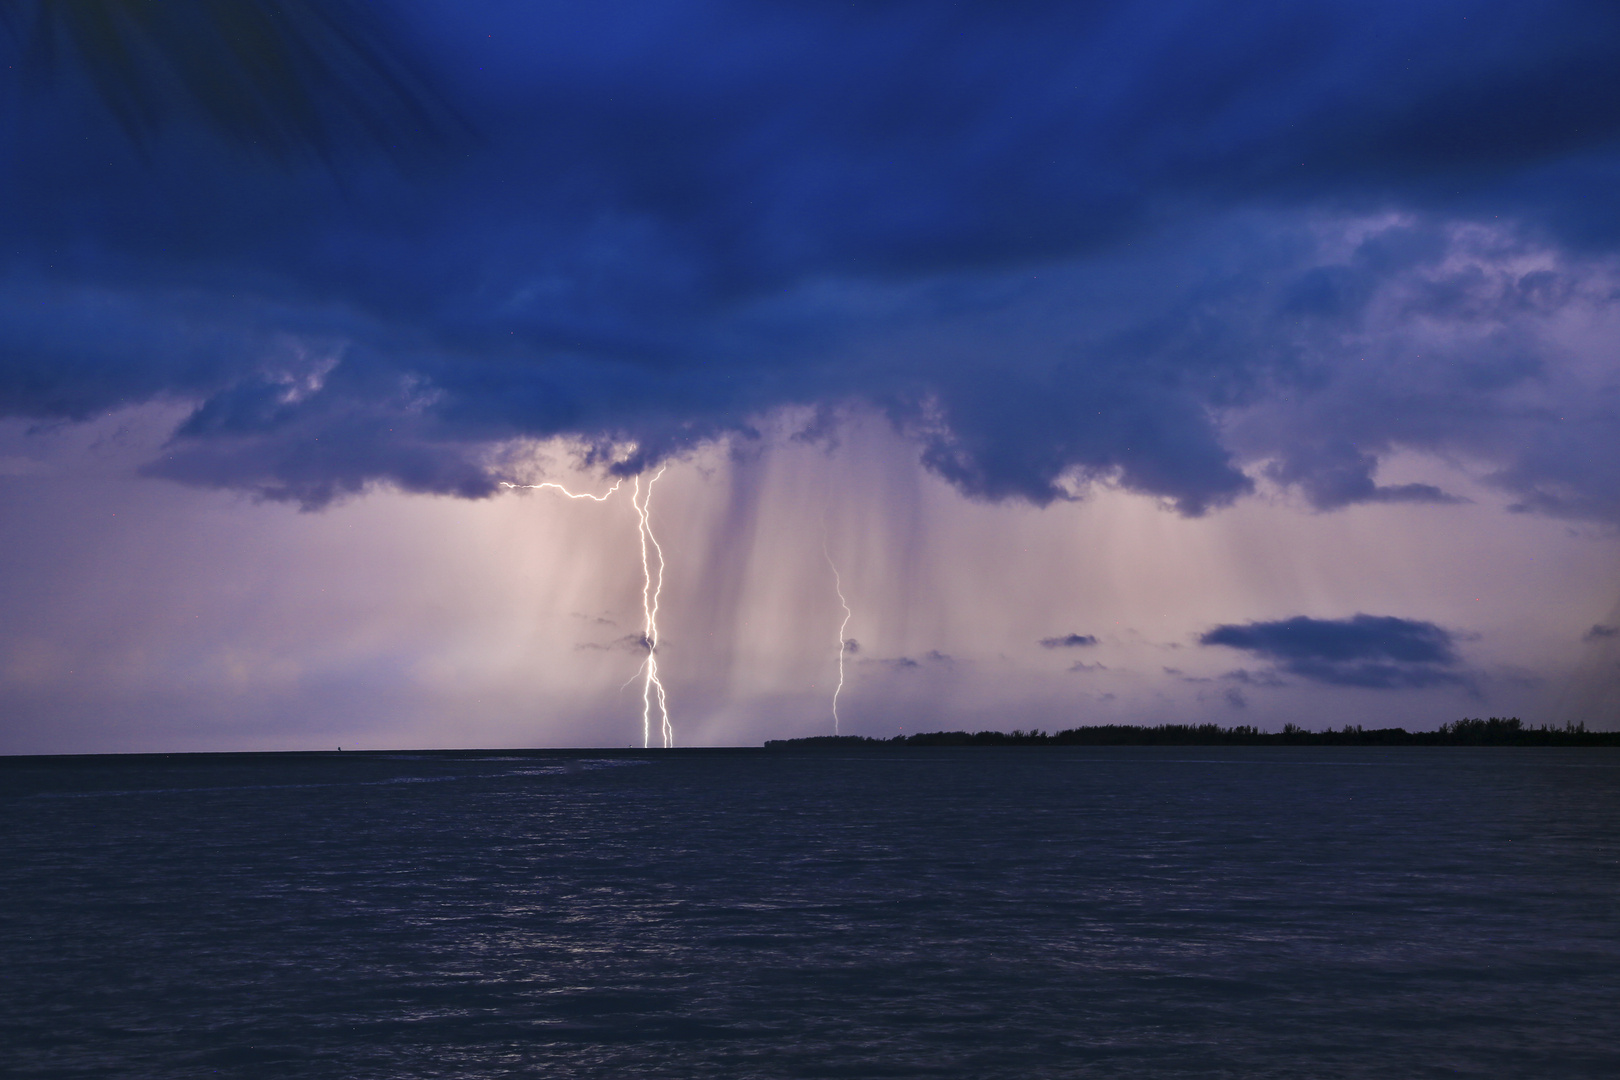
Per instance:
{"type": "Point", "coordinates": [285, 78]}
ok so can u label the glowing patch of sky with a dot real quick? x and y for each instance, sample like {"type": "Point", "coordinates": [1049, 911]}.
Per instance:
{"type": "Point", "coordinates": [166, 617]}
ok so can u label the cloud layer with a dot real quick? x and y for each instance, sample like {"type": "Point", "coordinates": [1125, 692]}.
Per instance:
{"type": "Point", "coordinates": [1069, 641]}
{"type": "Point", "coordinates": [1180, 250]}
{"type": "Point", "coordinates": [1378, 652]}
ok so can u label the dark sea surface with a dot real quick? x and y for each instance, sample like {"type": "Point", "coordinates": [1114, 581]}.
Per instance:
{"type": "Point", "coordinates": [1042, 912]}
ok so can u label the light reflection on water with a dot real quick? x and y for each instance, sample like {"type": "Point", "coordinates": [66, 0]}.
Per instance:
{"type": "Point", "coordinates": [963, 913]}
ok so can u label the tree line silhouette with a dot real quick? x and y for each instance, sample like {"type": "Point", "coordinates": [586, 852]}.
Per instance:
{"type": "Point", "coordinates": [1496, 731]}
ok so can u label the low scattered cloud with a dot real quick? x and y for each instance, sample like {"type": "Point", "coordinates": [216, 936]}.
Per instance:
{"type": "Point", "coordinates": [908, 663]}
{"type": "Point", "coordinates": [1373, 651]}
{"type": "Point", "coordinates": [627, 643]}
{"type": "Point", "coordinates": [1254, 678]}
{"type": "Point", "coordinates": [1600, 631]}
{"type": "Point", "coordinates": [1069, 641]}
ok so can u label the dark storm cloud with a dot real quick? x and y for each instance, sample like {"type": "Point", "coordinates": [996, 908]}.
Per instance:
{"type": "Point", "coordinates": [1334, 473]}
{"type": "Point", "coordinates": [1069, 641]}
{"type": "Point", "coordinates": [1054, 242]}
{"type": "Point", "coordinates": [1378, 652]}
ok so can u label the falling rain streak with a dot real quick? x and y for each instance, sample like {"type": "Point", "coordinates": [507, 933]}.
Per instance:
{"type": "Point", "coordinates": [651, 588]}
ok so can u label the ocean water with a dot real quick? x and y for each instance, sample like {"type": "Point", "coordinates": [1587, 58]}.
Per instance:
{"type": "Point", "coordinates": [1022, 912]}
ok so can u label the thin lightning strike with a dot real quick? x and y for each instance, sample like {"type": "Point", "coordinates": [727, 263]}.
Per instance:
{"type": "Point", "coordinates": [651, 688]}
{"type": "Point", "coordinates": [565, 491]}
{"type": "Point", "coordinates": [843, 644]}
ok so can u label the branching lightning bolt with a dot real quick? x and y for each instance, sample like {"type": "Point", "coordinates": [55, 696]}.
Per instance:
{"type": "Point", "coordinates": [651, 689]}
{"type": "Point", "coordinates": [843, 644]}
{"type": "Point", "coordinates": [565, 491]}
{"type": "Point", "coordinates": [651, 588]}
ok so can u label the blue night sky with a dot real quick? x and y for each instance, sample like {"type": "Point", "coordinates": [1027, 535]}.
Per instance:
{"type": "Point", "coordinates": [1131, 362]}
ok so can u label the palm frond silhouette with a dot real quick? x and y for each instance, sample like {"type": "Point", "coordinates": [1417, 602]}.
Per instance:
{"type": "Point", "coordinates": [287, 79]}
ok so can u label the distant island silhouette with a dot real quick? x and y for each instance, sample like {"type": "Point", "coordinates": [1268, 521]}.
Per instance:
{"type": "Point", "coordinates": [1497, 731]}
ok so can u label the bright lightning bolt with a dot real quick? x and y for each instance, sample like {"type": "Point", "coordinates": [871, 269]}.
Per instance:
{"type": "Point", "coordinates": [843, 644]}
{"type": "Point", "coordinates": [651, 588]}
{"type": "Point", "coordinates": [565, 491]}
{"type": "Point", "coordinates": [652, 689]}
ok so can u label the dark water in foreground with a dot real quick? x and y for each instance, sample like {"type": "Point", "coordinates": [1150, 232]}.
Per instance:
{"type": "Point", "coordinates": [1141, 912]}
